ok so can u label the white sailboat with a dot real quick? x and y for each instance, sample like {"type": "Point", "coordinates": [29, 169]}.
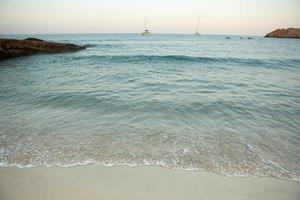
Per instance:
{"type": "Point", "coordinates": [197, 28]}
{"type": "Point", "coordinates": [146, 32]}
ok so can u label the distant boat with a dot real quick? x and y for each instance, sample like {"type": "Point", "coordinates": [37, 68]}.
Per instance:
{"type": "Point", "coordinates": [146, 32]}
{"type": "Point", "coordinates": [197, 28]}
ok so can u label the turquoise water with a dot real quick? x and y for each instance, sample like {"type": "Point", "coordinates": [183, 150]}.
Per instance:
{"type": "Point", "coordinates": [179, 101]}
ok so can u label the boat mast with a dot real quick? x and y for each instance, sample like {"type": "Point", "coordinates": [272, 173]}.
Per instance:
{"type": "Point", "coordinates": [197, 27]}
{"type": "Point", "coordinates": [146, 31]}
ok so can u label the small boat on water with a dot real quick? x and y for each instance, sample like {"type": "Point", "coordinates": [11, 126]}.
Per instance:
{"type": "Point", "coordinates": [146, 32]}
{"type": "Point", "coordinates": [197, 28]}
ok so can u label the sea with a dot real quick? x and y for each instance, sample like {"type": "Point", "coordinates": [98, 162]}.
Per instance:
{"type": "Point", "coordinates": [230, 106]}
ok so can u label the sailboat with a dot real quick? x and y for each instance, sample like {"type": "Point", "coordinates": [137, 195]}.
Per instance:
{"type": "Point", "coordinates": [146, 32]}
{"type": "Point", "coordinates": [197, 28]}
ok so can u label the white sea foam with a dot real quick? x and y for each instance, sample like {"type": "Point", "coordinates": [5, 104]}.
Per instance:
{"type": "Point", "coordinates": [229, 172]}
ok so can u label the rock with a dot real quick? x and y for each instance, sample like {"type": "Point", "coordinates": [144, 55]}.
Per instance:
{"type": "Point", "coordinates": [285, 33]}
{"type": "Point", "coordinates": [3, 53]}
{"type": "Point", "coordinates": [13, 48]}
{"type": "Point", "coordinates": [33, 39]}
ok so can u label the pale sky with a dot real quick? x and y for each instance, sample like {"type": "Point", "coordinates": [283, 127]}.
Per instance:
{"type": "Point", "coordinates": [249, 17]}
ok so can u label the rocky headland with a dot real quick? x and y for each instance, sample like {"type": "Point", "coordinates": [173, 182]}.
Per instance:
{"type": "Point", "coordinates": [13, 48]}
{"type": "Point", "coordinates": [285, 33]}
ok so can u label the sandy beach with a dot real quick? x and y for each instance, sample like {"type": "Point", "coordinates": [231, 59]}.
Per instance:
{"type": "Point", "coordinates": [96, 182]}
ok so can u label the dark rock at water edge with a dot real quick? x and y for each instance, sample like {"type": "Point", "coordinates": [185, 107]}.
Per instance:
{"type": "Point", "coordinates": [285, 33]}
{"type": "Point", "coordinates": [13, 48]}
{"type": "Point", "coordinates": [33, 39]}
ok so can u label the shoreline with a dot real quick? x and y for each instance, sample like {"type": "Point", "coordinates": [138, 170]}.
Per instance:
{"type": "Point", "coordinates": [193, 170]}
{"type": "Point", "coordinates": [145, 182]}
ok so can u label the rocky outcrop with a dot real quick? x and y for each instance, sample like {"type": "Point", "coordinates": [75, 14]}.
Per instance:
{"type": "Point", "coordinates": [12, 48]}
{"type": "Point", "coordinates": [285, 33]}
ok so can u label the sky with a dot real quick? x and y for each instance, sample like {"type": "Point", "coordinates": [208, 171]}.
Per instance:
{"type": "Point", "coordinates": [240, 17]}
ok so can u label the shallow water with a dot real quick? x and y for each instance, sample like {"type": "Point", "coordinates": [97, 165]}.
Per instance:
{"type": "Point", "coordinates": [179, 101]}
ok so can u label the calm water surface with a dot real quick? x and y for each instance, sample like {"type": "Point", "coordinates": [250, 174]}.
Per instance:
{"type": "Point", "coordinates": [194, 103]}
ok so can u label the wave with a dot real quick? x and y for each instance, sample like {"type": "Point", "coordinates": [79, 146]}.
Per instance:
{"type": "Point", "coordinates": [102, 45]}
{"type": "Point", "coordinates": [90, 45]}
{"type": "Point", "coordinates": [272, 63]}
{"type": "Point", "coordinates": [229, 171]}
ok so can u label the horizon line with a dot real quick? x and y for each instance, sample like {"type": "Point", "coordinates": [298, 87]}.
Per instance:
{"type": "Point", "coordinates": [131, 33]}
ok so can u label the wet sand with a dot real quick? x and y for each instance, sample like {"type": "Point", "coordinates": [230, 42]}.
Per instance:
{"type": "Point", "coordinates": [96, 182]}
